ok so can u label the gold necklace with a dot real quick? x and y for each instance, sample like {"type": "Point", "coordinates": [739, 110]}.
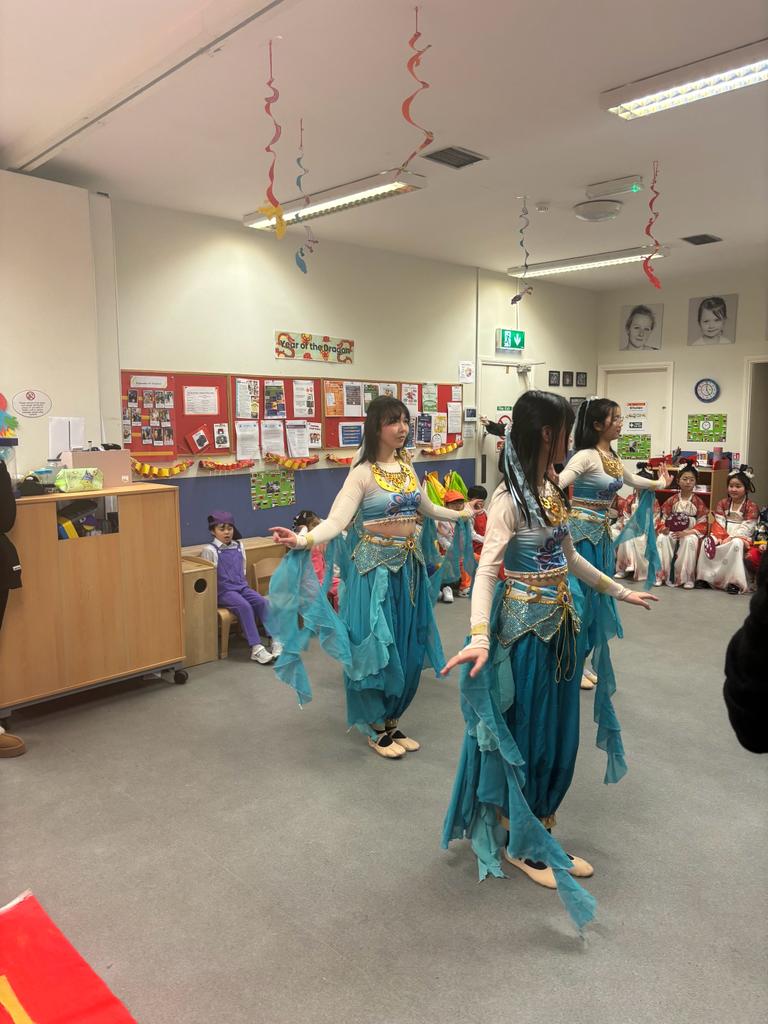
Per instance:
{"type": "Point", "coordinates": [612, 464]}
{"type": "Point", "coordinates": [402, 481]}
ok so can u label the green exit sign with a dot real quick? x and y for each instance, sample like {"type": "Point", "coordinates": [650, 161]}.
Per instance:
{"type": "Point", "coordinates": [509, 341]}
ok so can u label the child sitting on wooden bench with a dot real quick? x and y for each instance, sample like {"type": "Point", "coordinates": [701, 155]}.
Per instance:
{"type": "Point", "coordinates": [233, 593]}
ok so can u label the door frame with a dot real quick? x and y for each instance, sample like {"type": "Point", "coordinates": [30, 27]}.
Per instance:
{"type": "Point", "coordinates": [749, 366]}
{"type": "Point", "coordinates": [604, 371]}
{"type": "Point", "coordinates": [521, 366]}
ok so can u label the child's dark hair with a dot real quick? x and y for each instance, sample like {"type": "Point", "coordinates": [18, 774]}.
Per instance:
{"type": "Point", "coordinates": [591, 411]}
{"type": "Point", "coordinates": [714, 304]}
{"type": "Point", "coordinates": [305, 518]}
{"type": "Point", "coordinates": [688, 467]}
{"type": "Point", "coordinates": [533, 411]}
{"type": "Point", "coordinates": [381, 412]}
{"type": "Point", "coordinates": [476, 491]}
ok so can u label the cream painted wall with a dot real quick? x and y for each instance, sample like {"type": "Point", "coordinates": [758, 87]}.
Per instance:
{"type": "Point", "coordinates": [726, 363]}
{"type": "Point", "coordinates": [48, 327]}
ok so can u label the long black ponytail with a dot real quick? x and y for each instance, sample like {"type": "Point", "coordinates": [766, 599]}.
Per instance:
{"type": "Point", "coordinates": [591, 411]}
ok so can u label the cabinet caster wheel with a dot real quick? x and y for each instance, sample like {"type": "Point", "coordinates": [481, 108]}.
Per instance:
{"type": "Point", "coordinates": [180, 677]}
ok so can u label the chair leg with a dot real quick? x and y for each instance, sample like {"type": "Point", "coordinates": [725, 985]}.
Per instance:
{"type": "Point", "coordinates": [225, 627]}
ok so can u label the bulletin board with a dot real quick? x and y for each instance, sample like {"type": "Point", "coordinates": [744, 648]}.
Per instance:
{"type": "Point", "coordinates": [250, 395]}
{"type": "Point", "coordinates": [166, 414]}
{"type": "Point", "coordinates": [332, 423]}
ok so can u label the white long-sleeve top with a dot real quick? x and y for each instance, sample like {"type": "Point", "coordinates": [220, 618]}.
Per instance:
{"type": "Point", "coordinates": [588, 461]}
{"type": "Point", "coordinates": [503, 523]}
{"type": "Point", "coordinates": [360, 484]}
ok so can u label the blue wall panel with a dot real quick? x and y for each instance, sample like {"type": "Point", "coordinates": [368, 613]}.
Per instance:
{"type": "Point", "coordinates": [315, 489]}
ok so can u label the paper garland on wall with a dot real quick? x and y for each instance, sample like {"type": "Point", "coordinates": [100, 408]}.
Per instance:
{"type": "Point", "coordinates": [443, 449]}
{"type": "Point", "coordinates": [340, 460]}
{"type": "Point", "coordinates": [288, 463]}
{"type": "Point", "coordinates": [225, 467]}
{"type": "Point", "coordinates": [649, 272]}
{"type": "Point", "coordinates": [145, 470]}
{"type": "Point", "coordinates": [412, 65]}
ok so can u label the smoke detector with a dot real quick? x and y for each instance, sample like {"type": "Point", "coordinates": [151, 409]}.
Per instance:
{"type": "Point", "coordinates": [596, 210]}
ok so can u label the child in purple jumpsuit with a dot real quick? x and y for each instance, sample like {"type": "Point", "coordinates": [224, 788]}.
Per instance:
{"type": "Point", "coordinates": [228, 555]}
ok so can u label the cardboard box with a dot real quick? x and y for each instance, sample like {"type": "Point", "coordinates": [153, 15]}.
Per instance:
{"type": "Point", "coordinates": [115, 466]}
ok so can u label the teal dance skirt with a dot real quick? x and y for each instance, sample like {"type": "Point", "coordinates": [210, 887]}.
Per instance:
{"type": "Point", "coordinates": [383, 635]}
{"type": "Point", "coordinates": [519, 752]}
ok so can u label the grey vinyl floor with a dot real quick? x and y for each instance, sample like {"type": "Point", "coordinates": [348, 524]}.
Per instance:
{"type": "Point", "coordinates": [219, 855]}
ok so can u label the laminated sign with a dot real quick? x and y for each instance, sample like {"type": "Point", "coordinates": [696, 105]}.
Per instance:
{"type": "Point", "coordinates": [317, 347]}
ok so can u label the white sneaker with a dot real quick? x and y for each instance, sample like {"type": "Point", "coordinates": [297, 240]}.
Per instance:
{"type": "Point", "coordinates": [464, 592]}
{"type": "Point", "coordinates": [659, 583]}
{"type": "Point", "coordinates": [688, 586]}
{"type": "Point", "coordinates": [277, 648]}
{"type": "Point", "coordinates": [620, 575]}
{"type": "Point", "coordinates": [260, 653]}
{"type": "Point", "coordinates": [447, 595]}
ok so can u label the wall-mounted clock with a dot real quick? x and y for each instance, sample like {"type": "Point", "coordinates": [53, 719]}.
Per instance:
{"type": "Point", "coordinates": [707, 390]}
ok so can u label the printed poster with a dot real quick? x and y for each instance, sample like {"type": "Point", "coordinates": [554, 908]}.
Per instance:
{"type": "Point", "coordinates": [424, 428]}
{"type": "Point", "coordinates": [457, 393]}
{"type": "Point", "coordinates": [353, 398]}
{"type": "Point", "coordinates": [221, 435]}
{"type": "Point", "coordinates": [350, 435]}
{"type": "Point", "coordinates": [454, 417]}
{"type": "Point", "coordinates": [270, 489]}
{"type": "Point", "coordinates": [634, 446]}
{"type": "Point", "coordinates": [247, 437]}
{"type": "Point", "coordinates": [429, 397]}
{"type": "Point", "coordinates": [246, 399]}
{"type": "Point", "coordinates": [410, 399]}
{"type": "Point", "coordinates": [201, 401]}
{"type": "Point", "coordinates": [333, 398]}
{"type": "Point", "coordinates": [274, 399]}
{"type": "Point", "coordinates": [273, 437]}
{"type": "Point", "coordinates": [467, 371]}
{"type": "Point", "coordinates": [298, 438]}
{"type": "Point", "coordinates": [440, 428]}
{"type": "Point", "coordinates": [304, 399]}
{"type": "Point", "coordinates": [315, 431]}
{"type": "Point", "coordinates": [370, 391]}
{"type": "Point", "coordinates": [388, 390]}
{"type": "Point", "coordinates": [711, 426]}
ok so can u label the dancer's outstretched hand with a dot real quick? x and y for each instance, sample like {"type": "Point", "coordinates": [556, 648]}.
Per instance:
{"type": "Point", "coordinates": [477, 655]}
{"type": "Point", "coordinates": [282, 535]}
{"type": "Point", "coordinates": [640, 599]}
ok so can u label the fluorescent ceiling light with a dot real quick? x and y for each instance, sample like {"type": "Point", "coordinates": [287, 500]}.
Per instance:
{"type": "Point", "coordinates": [736, 69]}
{"type": "Point", "coordinates": [343, 197]}
{"type": "Point", "coordinates": [615, 187]}
{"type": "Point", "coordinates": [600, 259]}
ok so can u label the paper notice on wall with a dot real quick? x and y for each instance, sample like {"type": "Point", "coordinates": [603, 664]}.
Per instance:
{"type": "Point", "coordinates": [454, 417]}
{"type": "Point", "coordinates": [201, 401]}
{"type": "Point", "coordinates": [440, 428]}
{"type": "Point", "coordinates": [635, 418]}
{"type": "Point", "coordinates": [315, 434]}
{"type": "Point", "coordinates": [635, 446]}
{"type": "Point", "coordinates": [353, 398]}
{"type": "Point", "coordinates": [304, 398]}
{"type": "Point", "coordinates": [388, 390]}
{"type": "Point", "coordinates": [350, 435]}
{"type": "Point", "coordinates": [333, 396]}
{"type": "Point", "coordinates": [149, 382]}
{"type": "Point", "coordinates": [467, 371]}
{"type": "Point", "coordinates": [470, 432]}
{"type": "Point", "coordinates": [457, 393]}
{"type": "Point", "coordinates": [221, 435]}
{"type": "Point", "coordinates": [247, 437]}
{"type": "Point", "coordinates": [298, 438]}
{"type": "Point", "coordinates": [410, 399]}
{"type": "Point", "coordinates": [273, 437]}
{"type": "Point", "coordinates": [424, 428]}
{"type": "Point", "coordinates": [274, 400]}
{"type": "Point", "coordinates": [370, 392]}
{"type": "Point", "coordinates": [246, 399]}
{"type": "Point", "coordinates": [429, 397]}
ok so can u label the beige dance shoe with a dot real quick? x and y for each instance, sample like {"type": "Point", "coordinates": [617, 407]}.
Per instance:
{"type": "Point", "coordinates": [588, 680]}
{"type": "Point", "coordinates": [541, 876]}
{"type": "Point", "coordinates": [385, 746]}
{"type": "Point", "coordinates": [408, 744]}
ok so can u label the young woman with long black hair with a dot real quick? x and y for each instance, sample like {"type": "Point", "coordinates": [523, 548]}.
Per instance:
{"type": "Point", "coordinates": [521, 667]}
{"type": "Point", "coordinates": [386, 628]}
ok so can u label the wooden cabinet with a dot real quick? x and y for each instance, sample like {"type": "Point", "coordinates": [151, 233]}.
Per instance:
{"type": "Point", "coordinates": [201, 624]}
{"type": "Point", "coordinates": [713, 485]}
{"type": "Point", "coordinates": [93, 609]}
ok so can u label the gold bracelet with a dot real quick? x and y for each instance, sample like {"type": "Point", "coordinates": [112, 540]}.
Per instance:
{"type": "Point", "coordinates": [481, 629]}
{"type": "Point", "coordinates": [604, 584]}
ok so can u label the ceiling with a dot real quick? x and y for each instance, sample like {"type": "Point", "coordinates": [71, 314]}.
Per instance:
{"type": "Point", "coordinates": [518, 82]}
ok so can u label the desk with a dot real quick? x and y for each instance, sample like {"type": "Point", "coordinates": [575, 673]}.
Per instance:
{"type": "Point", "coordinates": [92, 610]}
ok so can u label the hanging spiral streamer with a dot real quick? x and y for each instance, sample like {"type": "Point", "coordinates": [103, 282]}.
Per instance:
{"type": "Point", "coordinates": [649, 272]}
{"type": "Point", "coordinates": [412, 65]}
{"type": "Point", "coordinates": [308, 248]}
{"type": "Point", "coordinates": [272, 207]}
{"type": "Point", "coordinates": [526, 220]}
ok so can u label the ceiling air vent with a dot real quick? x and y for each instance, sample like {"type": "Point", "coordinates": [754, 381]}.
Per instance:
{"type": "Point", "coordinates": [701, 239]}
{"type": "Point", "coordinates": [454, 156]}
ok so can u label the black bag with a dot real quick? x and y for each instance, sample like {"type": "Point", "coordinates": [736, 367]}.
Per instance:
{"type": "Point", "coordinates": [10, 567]}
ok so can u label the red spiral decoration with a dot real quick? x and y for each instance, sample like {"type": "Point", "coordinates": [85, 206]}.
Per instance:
{"type": "Point", "coordinates": [649, 273]}
{"type": "Point", "coordinates": [412, 65]}
{"type": "Point", "coordinates": [272, 208]}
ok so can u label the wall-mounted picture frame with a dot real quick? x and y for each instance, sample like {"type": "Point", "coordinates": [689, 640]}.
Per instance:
{"type": "Point", "coordinates": [640, 327]}
{"type": "Point", "coordinates": [581, 379]}
{"type": "Point", "coordinates": [576, 401]}
{"type": "Point", "coordinates": [567, 378]}
{"type": "Point", "coordinates": [554, 378]}
{"type": "Point", "coordinates": [712, 319]}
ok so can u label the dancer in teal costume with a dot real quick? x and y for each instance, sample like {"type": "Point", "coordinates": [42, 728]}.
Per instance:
{"type": "Point", "coordinates": [597, 475]}
{"type": "Point", "coordinates": [520, 668]}
{"type": "Point", "coordinates": [385, 629]}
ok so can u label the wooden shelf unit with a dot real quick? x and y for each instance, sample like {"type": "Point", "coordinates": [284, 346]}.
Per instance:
{"type": "Point", "coordinates": [716, 479]}
{"type": "Point", "coordinates": [93, 610]}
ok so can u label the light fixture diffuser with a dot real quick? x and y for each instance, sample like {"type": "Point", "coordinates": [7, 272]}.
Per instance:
{"type": "Point", "coordinates": [725, 72]}
{"type": "Point", "coordinates": [594, 262]}
{"type": "Point", "coordinates": [342, 197]}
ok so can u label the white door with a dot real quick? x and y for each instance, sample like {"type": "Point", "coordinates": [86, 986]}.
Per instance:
{"type": "Point", "coordinates": [649, 384]}
{"type": "Point", "coordinates": [499, 385]}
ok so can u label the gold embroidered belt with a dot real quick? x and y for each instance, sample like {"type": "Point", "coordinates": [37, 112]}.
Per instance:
{"type": "Point", "coordinates": [546, 576]}
{"type": "Point", "coordinates": [544, 608]}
